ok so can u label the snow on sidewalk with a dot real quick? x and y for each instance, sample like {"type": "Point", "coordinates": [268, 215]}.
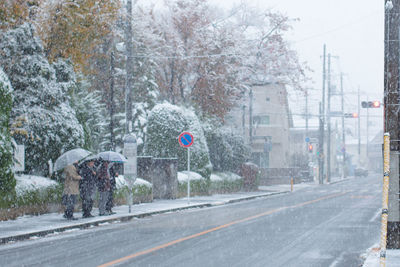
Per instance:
{"type": "Point", "coordinates": [30, 224]}
{"type": "Point", "coordinates": [373, 257]}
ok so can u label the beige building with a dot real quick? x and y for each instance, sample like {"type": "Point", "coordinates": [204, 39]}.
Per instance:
{"type": "Point", "coordinates": [268, 132]}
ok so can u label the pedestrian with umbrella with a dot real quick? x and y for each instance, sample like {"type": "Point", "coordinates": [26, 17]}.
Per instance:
{"type": "Point", "coordinates": [69, 162]}
{"type": "Point", "coordinates": [112, 158]}
{"type": "Point", "coordinates": [104, 185]}
{"type": "Point", "coordinates": [71, 190]}
{"type": "Point", "coordinates": [87, 186]}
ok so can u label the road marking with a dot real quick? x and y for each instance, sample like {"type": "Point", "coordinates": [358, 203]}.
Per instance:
{"type": "Point", "coordinates": [147, 251]}
{"type": "Point", "coordinates": [379, 212]}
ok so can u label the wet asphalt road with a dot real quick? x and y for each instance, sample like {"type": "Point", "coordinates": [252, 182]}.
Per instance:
{"type": "Point", "coordinates": [328, 225]}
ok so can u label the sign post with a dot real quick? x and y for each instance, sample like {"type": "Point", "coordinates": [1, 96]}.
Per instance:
{"type": "Point", "coordinates": [185, 140]}
{"type": "Point", "coordinates": [130, 167]}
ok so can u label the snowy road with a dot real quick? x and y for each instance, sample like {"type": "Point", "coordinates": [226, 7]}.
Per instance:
{"type": "Point", "coordinates": [329, 225]}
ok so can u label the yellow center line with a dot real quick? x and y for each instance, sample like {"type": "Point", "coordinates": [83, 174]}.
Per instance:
{"type": "Point", "coordinates": [147, 251]}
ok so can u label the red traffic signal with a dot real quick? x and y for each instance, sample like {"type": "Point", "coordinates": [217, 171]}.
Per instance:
{"type": "Point", "coordinates": [310, 148]}
{"type": "Point", "coordinates": [371, 104]}
{"type": "Point", "coordinates": [351, 115]}
{"type": "Point", "coordinates": [376, 104]}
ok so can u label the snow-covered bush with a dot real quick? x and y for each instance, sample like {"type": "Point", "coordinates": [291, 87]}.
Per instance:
{"type": "Point", "coordinates": [198, 184]}
{"type": "Point", "coordinates": [142, 190]}
{"type": "Point", "coordinates": [36, 190]}
{"type": "Point", "coordinates": [164, 125]}
{"type": "Point", "coordinates": [227, 149]}
{"type": "Point", "coordinates": [7, 181]}
{"type": "Point", "coordinates": [225, 182]}
{"type": "Point", "coordinates": [42, 117]}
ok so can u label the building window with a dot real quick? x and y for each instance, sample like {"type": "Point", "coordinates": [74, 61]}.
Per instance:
{"type": "Point", "coordinates": [261, 120]}
{"type": "Point", "coordinates": [261, 159]}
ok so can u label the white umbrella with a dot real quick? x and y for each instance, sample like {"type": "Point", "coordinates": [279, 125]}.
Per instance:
{"type": "Point", "coordinates": [70, 157]}
{"type": "Point", "coordinates": [112, 156]}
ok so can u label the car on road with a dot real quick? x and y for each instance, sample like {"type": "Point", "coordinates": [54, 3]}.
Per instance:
{"type": "Point", "coordinates": [361, 172]}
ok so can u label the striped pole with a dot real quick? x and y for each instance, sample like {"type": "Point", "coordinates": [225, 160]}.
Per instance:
{"type": "Point", "coordinates": [385, 196]}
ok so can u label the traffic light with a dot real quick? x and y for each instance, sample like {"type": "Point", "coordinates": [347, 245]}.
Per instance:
{"type": "Point", "coordinates": [376, 104]}
{"type": "Point", "coordinates": [310, 148]}
{"type": "Point", "coordinates": [351, 115]}
{"type": "Point", "coordinates": [371, 104]}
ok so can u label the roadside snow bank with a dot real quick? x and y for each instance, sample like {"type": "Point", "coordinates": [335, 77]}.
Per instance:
{"type": "Point", "coordinates": [221, 176]}
{"type": "Point", "coordinates": [183, 176]}
{"type": "Point", "coordinates": [121, 182]}
{"type": "Point", "coordinates": [30, 182]}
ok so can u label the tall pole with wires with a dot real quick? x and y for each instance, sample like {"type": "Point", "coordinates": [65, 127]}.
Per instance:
{"type": "Point", "coordinates": [328, 141]}
{"type": "Point", "coordinates": [321, 158]}
{"type": "Point", "coordinates": [343, 130]}
{"type": "Point", "coordinates": [391, 116]}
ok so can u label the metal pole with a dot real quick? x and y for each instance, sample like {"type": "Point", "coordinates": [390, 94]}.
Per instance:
{"type": "Point", "coordinates": [385, 197]}
{"type": "Point", "coordinates": [343, 130]}
{"type": "Point", "coordinates": [321, 146]}
{"type": "Point", "coordinates": [367, 160]}
{"type": "Point", "coordinates": [359, 128]}
{"type": "Point", "coordinates": [188, 168]}
{"type": "Point", "coordinates": [129, 69]}
{"type": "Point", "coordinates": [328, 162]}
{"type": "Point", "coordinates": [391, 102]}
{"type": "Point", "coordinates": [251, 116]}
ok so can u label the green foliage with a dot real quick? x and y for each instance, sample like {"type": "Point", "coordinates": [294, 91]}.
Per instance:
{"type": "Point", "coordinates": [43, 196]}
{"type": "Point", "coordinates": [226, 186]}
{"type": "Point", "coordinates": [197, 187]}
{"type": "Point", "coordinates": [7, 180]}
{"type": "Point", "coordinates": [165, 123]}
{"type": "Point", "coordinates": [89, 112]}
{"type": "Point", "coordinates": [227, 149]}
{"type": "Point", "coordinates": [42, 117]}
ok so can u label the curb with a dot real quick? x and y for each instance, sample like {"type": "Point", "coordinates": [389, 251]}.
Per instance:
{"type": "Point", "coordinates": [340, 181]}
{"type": "Point", "coordinates": [5, 240]}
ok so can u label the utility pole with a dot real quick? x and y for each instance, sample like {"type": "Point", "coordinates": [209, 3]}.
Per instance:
{"type": "Point", "coordinates": [359, 127]}
{"type": "Point", "coordinates": [251, 116]}
{"type": "Point", "coordinates": [321, 159]}
{"type": "Point", "coordinates": [320, 146]}
{"type": "Point", "coordinates": [306, 93]}
{"type": "Point", "coordinates": [367, 160]}
{"type": "Point", "coordinates": [328, 162]}
{"type": "Point", "coordinates": [129, 68]}
{"type": "Point", "coordinates": [112, 105]}
{"type": "Point", "coordinates": [343, 130]}
{"type": "Point", "coordinates": [391, 104]}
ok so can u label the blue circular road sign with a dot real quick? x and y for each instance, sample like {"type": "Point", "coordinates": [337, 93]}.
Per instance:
{"type": "Point", "coordinates": [185, 139]}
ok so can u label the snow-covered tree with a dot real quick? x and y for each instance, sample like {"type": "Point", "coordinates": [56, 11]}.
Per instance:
{"type": "Point", "coordinates": [165, 123]}
{"type": "Point", "coordinates": [7, 180]}
{"type": "Point", "coordinates": [73, 29]}
{"type": "Point", "coordinates": [89, 112]}
{"type": "Point", "coordinates": [191, 61]}
{"type": "Point", "coordinates": [42, 117]}
{"type": "Point", "coordinates": [227, 149]}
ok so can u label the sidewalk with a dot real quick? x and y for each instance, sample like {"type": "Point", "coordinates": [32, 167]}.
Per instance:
{"type": "Point", "coordinates": [30, 226]}
{"type": "Point", "coordinates": [373, 257]}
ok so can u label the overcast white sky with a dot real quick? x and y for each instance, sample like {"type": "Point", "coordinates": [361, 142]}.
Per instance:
{"type": "Point", "coordinates": [352, 30]}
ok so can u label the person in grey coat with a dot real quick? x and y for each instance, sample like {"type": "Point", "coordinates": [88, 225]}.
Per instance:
{"type": "Point", "coordinates": [87, 187]}
{"type": "Point", "coordinates": [71, 190]}
{"type": "Point", "coordinates": [104, 186]}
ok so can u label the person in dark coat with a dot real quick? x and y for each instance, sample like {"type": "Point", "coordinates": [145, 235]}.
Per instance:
{"type": "Point", "coordinates": [71, 190]}
{"type": "Point", "coordinates": [87, 187]}
{"type": "Point", "coordinates": [113, 174]}
{"type": "Point", "coordinates": [104, 186]}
